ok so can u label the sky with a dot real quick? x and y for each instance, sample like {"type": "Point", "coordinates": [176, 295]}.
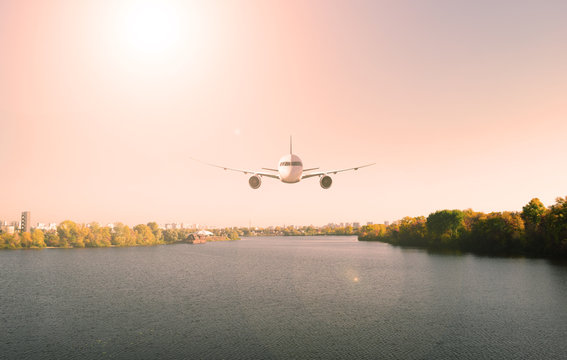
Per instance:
{"type": "Point", "coordinates": [462, 104]}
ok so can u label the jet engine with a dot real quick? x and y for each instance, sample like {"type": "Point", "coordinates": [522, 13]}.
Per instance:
{"type": "Point", "coordinates": [325, 181]}
{"type": "Point", "coordinates": [255, 181]}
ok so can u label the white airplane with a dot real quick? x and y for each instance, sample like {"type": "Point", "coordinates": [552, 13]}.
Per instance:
{"type": "Point", "coordinates": [290, 170]}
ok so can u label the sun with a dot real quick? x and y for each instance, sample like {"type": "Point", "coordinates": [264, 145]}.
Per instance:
{"type": "Point", "coordinates": [151, 27]}
{"type": "Point", "coordinates": [156, 39]}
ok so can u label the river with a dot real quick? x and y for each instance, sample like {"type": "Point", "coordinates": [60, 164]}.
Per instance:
{"type": "Point", "coordinates": [279, 298]}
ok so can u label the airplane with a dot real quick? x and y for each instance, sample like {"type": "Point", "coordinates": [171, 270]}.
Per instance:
{"type": "Point", "coordinates": [290, 171]}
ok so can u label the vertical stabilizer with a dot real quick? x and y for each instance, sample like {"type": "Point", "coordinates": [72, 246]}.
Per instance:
{"type": "Point", "coordinates": [290, 148]}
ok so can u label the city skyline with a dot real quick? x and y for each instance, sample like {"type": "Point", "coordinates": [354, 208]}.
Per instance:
{"type": "Point", "coordinates": [460, 104]}
{"type": "Point", "coordinates": [48, 225]}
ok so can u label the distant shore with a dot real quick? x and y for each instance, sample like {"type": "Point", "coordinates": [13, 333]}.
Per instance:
{"type": "Point", "coordinates": [536, 231]}
{"type": "Point", "coordinates": [72, 235]}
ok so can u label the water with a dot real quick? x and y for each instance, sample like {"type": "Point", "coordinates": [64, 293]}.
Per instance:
{"type": "Point", "coordinates": [281, 298]}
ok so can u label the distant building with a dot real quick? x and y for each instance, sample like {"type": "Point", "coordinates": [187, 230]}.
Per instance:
{"type": "Point", "coordinates": [369, 223]}
{"type": "Point", "coordinates": [174, 226]}
{"type": "Point", "coordinates": [356, 225]}
{"type": "Point", "coordinates": [26, 221]}
{"type": "Point", "coordinates": [5, 227]}
{"type": "Point", "coordinates": [46, 227]}
{"type": "Point", "coordinates": [386, 223]}
{"type": "Point", "coordinates": [9, 229]}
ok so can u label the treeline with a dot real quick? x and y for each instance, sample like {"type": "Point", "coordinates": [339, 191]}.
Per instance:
{"type": "Point", "coordinates": [535, 231]}
{"type": "Point", "coordinates": [72, 235]}
{"type": "Point", "coordinates": [298, 231]}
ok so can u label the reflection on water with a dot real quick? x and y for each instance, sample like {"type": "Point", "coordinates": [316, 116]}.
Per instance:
{"type": "Point", "coordinates": [311, 297]}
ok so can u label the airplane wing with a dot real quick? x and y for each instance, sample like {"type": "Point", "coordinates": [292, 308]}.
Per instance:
{"type": "Point", "coordinates": [252, 172]}
{"type": "Point", "coordinates": [333, 171]}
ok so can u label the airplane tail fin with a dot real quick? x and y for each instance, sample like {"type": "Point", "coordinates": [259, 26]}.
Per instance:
{"type": "Point", "coordinates": [290, 147]}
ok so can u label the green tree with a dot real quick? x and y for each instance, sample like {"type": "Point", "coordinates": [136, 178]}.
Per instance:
{"type": "Point", "coordinates": [498, 233]}
{"type": "Point", "coordinates": [533, 215]}
{"type": "Point", "coordinates": [445, 227]}
{"type": "Point", "coordinates": [556, 229]}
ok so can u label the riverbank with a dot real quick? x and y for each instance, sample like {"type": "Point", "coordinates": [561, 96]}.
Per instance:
{"type": "Point", "coordinates": [72, 235]}
{"type": "Point", "coordinates": [536, 231]}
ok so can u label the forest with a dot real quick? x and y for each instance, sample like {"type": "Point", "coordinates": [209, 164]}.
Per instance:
{"type": "Point", "coordinates": [72, 235]}
{"type": "Point", "coordinates": [536, 231]}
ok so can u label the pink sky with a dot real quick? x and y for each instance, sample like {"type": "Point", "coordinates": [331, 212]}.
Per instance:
{"type": "Point", "coordinates": [463, 104]}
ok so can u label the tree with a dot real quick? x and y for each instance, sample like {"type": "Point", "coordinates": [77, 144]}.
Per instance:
{"type": "Point", "coordinates": [233, 235]}
{"type": "Point", "coordinates": [373, 232]}
{"type": "Point", "coordinates": [70, 234]}
{"type": "Point", "coordinates": [556, 229]}
{"type": "Point", "coordinates": [97, 236]}
{"type": "Point", "coordinates": [445, 227]}
{"type": "Point", "coordinates": [26, 239]}
{"type": "Point", "coordinates": [14, 241]}
{"type": "Point", "coordinates": [123, 236]}
{"type": "Point", "coordinates": [498, 233]}
{"type": "Point", "coordinates": [5, 240]}
{"type": "Point", "coordinates": [51, 238]}
{"type": "Point", "coordinates": [144, 235]}
{"type": "Point", "coordinates": [412, 231]}
{"type": "Point", "coordinates": [170, 236]}
{"type": "Point", "coordinates": [533, 215]}
{"type": "Point", "coordinates": [156, 231]}
{"type": "Point", "coordinates": [38, 238]}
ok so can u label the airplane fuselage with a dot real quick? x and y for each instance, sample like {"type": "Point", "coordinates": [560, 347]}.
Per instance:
{"type": "Point", "coordinates": [290, 168]}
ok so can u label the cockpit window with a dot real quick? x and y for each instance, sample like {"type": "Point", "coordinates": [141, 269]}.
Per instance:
{"type": "Point", "coordinates": [291, 163]}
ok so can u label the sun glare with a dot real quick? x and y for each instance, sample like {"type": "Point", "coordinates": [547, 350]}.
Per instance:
{"type": "Point", "coordinates": [150, 38]}
{"type": "Point", "coordinates": [151, 27]}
